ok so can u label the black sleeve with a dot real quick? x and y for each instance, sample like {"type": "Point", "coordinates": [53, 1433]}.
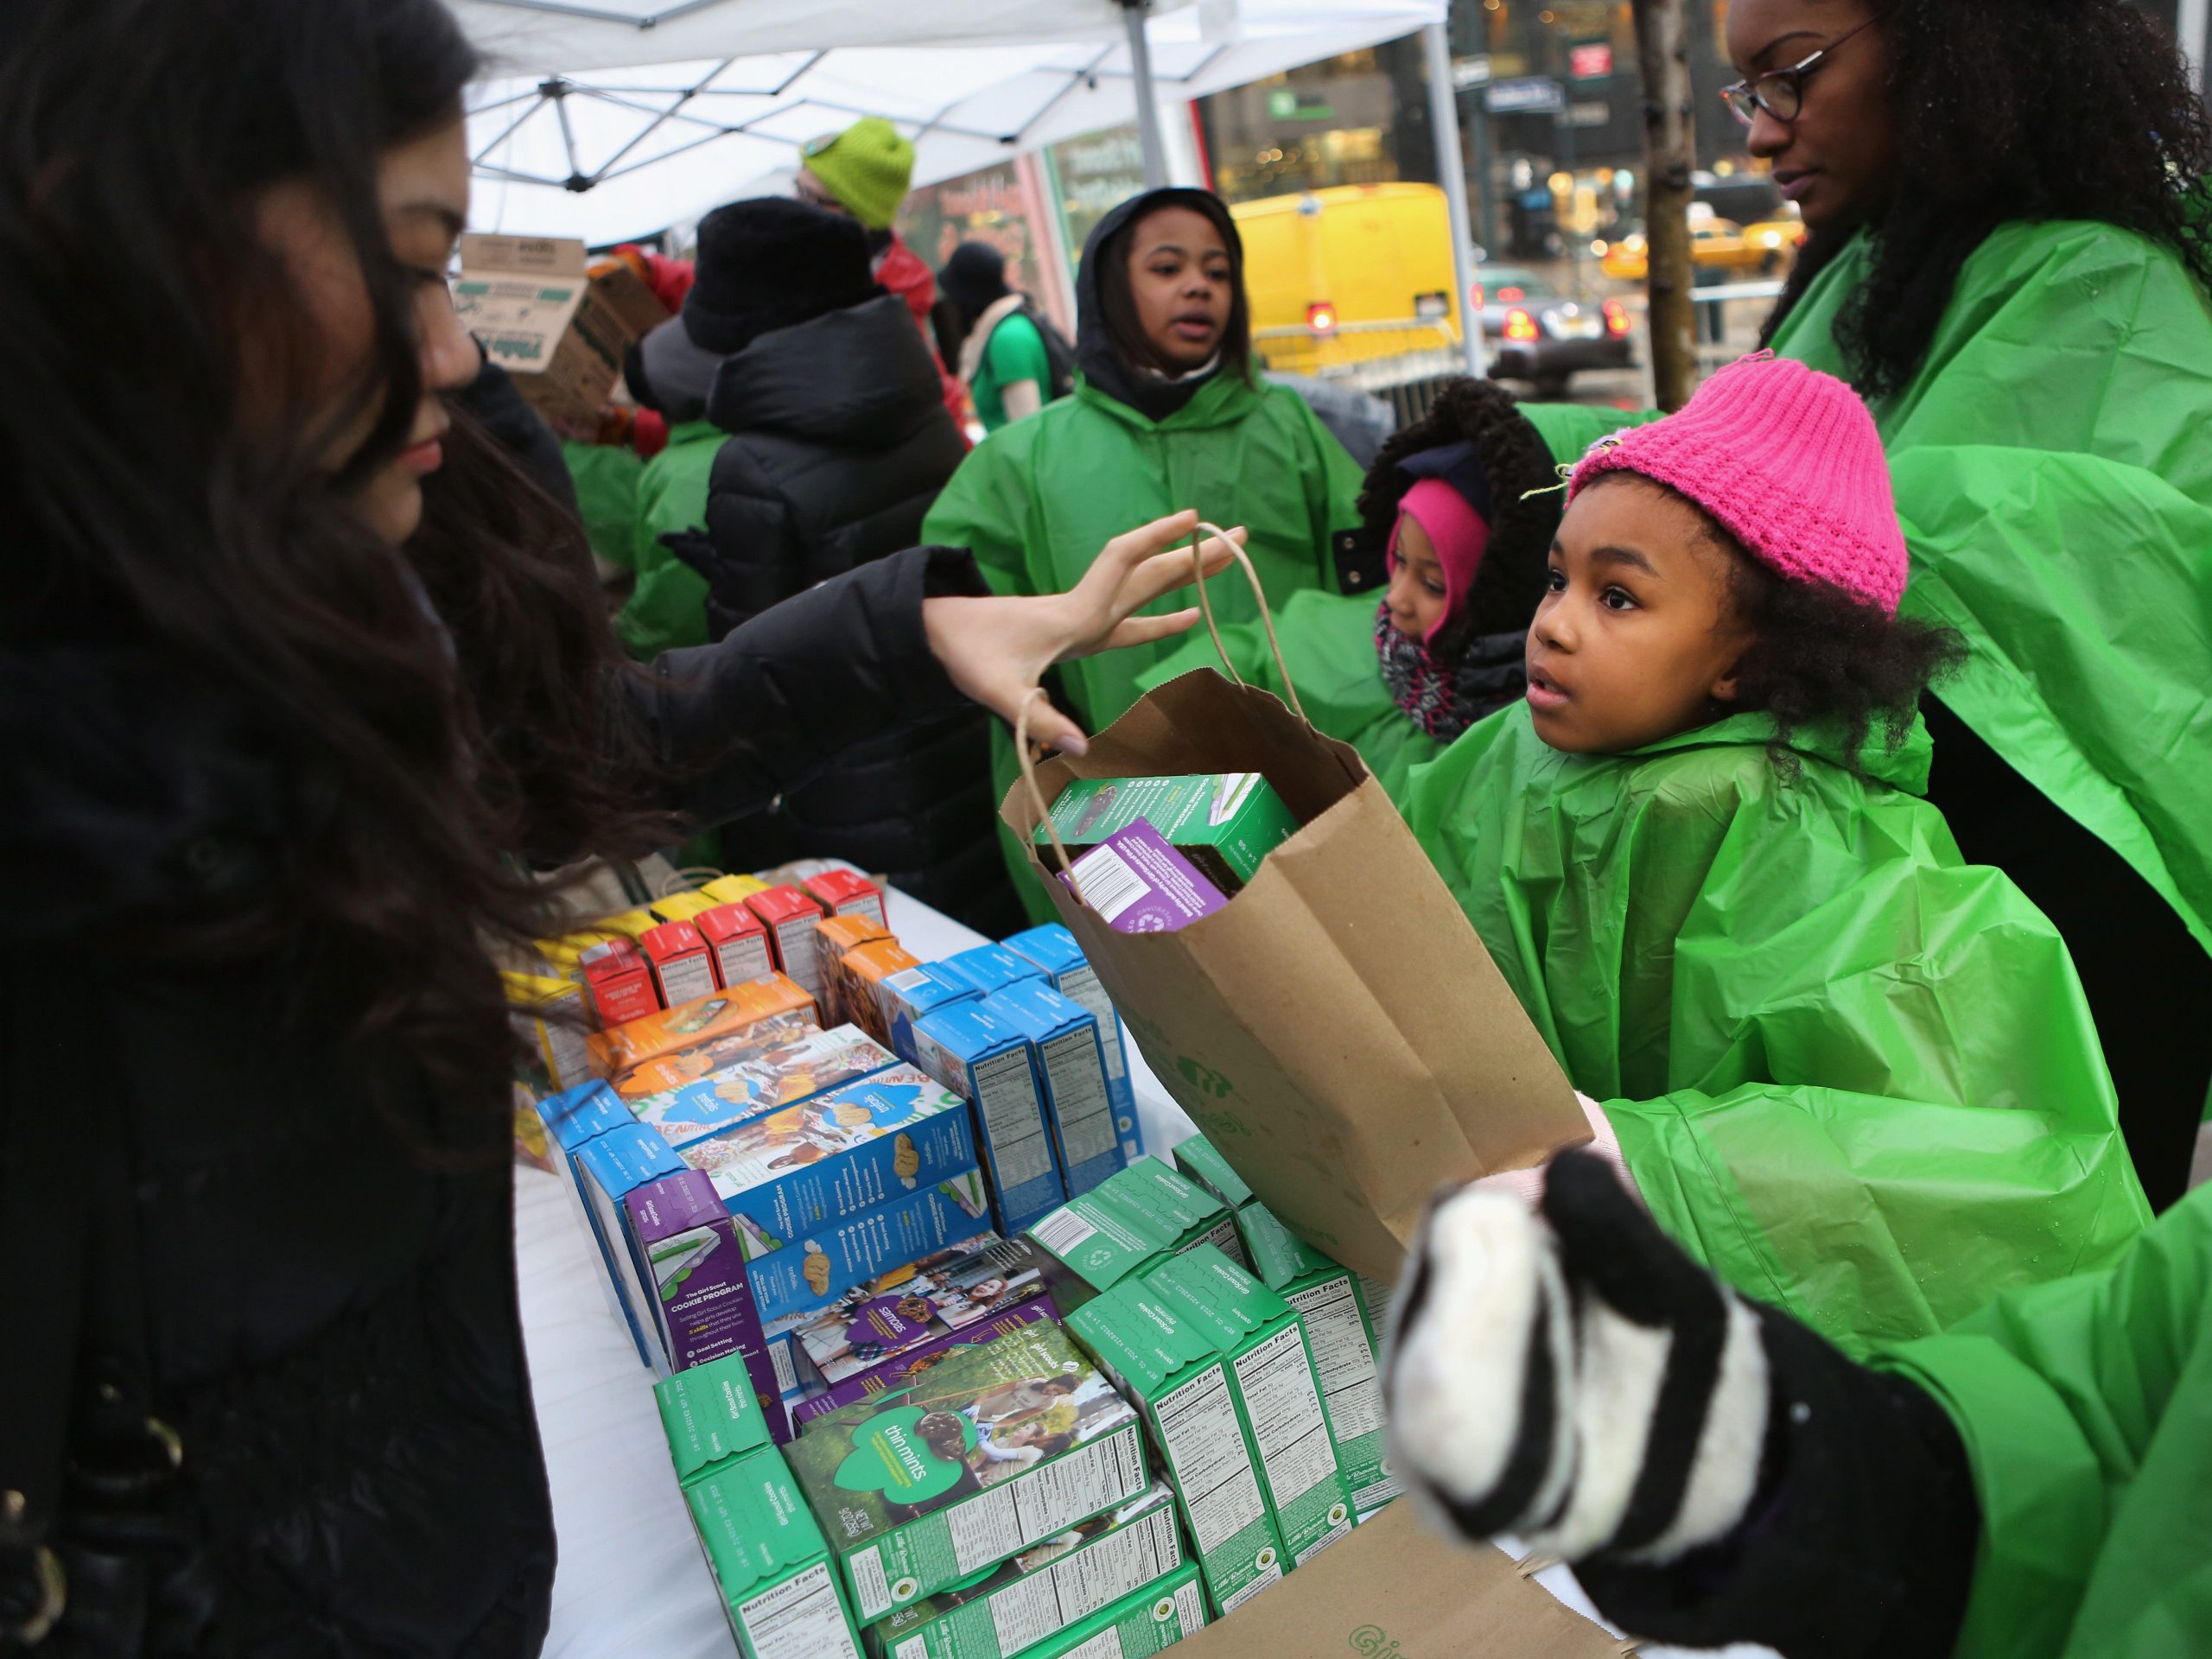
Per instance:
{"type": "Point", "coordinates": [738, 722]}
{"type": "Point", "coordinates": [1861, 1544]}
{"type": "Point", "coordinates": [492, 400]}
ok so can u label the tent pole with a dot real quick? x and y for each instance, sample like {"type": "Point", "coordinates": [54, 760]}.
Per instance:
{"type": "Point", "coordinates": [1452, 174]}
{"type": "Point", "coordinates": [2190, 21]}
{"type": "Point", "coordinates": [1148, 138]}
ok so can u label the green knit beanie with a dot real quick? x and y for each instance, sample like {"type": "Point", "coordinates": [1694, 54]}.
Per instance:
{"type": "Point", "coordinates": [867, 167]}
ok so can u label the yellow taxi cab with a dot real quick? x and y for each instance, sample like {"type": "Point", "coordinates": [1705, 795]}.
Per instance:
{"type": "Point", "coordinates": [1715, 244]}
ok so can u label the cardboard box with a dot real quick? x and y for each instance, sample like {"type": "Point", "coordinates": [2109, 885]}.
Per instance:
{"type": "Point", "coordinates": [795, 1065]}
{"type": "Point", "coordinates": [685, 1252]}
{"type": "Point", "coordinates": [682, 963]}
{"type": "Point", "coordinates": [1072, 1070]}
{"type": "Point", "coordinates": [621, 982]}
{"type": "Point", "coordinates": [607, 1168]}
{"type": "Point", "coordinates": [564, 954]}
{"type": "Point", "coordinates": [906, 1369]}
{"type": "Point", "coordinates": [838, 1155]}
{"type": "Point", "coordinates": [1137, 883]}
{"type": "Point", "coordinates": [796, 1281]}
{"type": "Point", "coordinates": [1178, 1380]}
{"type": "Point", "coordinates": [859, 976]}
{"type": "Point", "coordinates": [789, 916]}
{"type": "Point", "coordinates": [685, 907]}
{"type": "Point", "coordinates": [868, 1328]}
{"type": "Point", "coordinates": [1327, 1298]}
{"type": "Point", "coordinates": [990, 1061]}
{"type": "Point", "coordinates": [575, 1116]}
{"type": "Point", "coordinates": [560, 334]}
{"type": "Point", "coordinates": [1161, 1614]}
{"type": "Point", "coordinates": [547, 1011]}
{"type": "Point", "coordinates": [779, 1587]}
{"type": "Point", "coordinates": [833, 937]}
{"type": "Point", "coordinates": [1200, 1159]}
{"type": "Point", "coordinates": [1376, 1300]}
{"type": "Point", "coordinates": [1033, 1597]}
{"type": "Point", "coordinates": [733, 889]}
{"type": "Point", "coordinates": [914, 995]}
{"type": "Point", "coordinates": [1271, 1372]}
{"type": "Point", "coordinates": [1128, 1224]}
{"type": "Point", "coordinates": [758, 1035]}
{"type": "Point", "coordinates": [1054, 949]}
{"type": "Point", "coordinates": [739, 940]}
{"type": "Point", "coordinates": [987, 968]}
{"type": "Point", "coordinates": [691, 1028]}
{"type": "Point", "coordinates": [712, 1416]}
{"type": "Point", "coordinates": [1006, 1445]}
{"type": "Point", "coordinates": [1223, 822]}
{"type": "Point", "coordinates": [842, 892]}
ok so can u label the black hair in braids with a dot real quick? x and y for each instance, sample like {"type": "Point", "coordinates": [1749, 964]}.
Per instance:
{"type": "Point", "coordinates": [2012, 110]}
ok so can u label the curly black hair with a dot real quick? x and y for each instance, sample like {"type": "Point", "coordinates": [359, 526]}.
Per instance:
{"type": "Point", "coordinates": [1514, 461]}
{"type": "Point", "coordinates": [2012, 110]}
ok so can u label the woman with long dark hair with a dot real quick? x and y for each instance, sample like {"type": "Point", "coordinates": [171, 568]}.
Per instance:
{"type": "Point", "coordinates": [1168, 406]}
{"type": "Point", "coordinates": [2011, 259]}
{"type": "Point", "coordinates": [297, 673]}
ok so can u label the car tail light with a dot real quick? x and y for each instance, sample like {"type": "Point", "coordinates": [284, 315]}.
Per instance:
{"type": "Point", "coordinates": [1616, 318]}
{"type": "Point", "coordinates": [1475, 294]}
{"type": "Point", "coordinates": [1321, 317]}
{"type": "Point", "coordinates": [1519, 325]}
{"type": "Point", "coordinates": [1511, 295]}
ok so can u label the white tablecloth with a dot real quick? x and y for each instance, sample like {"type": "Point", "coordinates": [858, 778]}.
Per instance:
{"type": "Point", "coordinates": [631, 1580]}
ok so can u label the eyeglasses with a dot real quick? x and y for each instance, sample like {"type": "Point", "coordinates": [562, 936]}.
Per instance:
{"type": "Point", "coordinates": [1780, 92]}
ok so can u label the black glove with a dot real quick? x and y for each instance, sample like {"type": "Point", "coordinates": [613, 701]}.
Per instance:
{"type": "Point", "coordinates": [1716, 1470]}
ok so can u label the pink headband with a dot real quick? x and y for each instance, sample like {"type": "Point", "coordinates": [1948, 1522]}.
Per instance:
{"type": "Point", "coordinates": [1458, 533]}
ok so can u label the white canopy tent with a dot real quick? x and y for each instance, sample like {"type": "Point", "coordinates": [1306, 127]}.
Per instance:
{"type": "Point", "coordinates": [602, 136]}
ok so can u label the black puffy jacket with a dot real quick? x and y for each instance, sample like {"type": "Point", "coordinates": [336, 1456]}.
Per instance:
{"type": "Point", "coordinates": [322, 1248]}
{"type": "Point", "coordinates": [839, 444]}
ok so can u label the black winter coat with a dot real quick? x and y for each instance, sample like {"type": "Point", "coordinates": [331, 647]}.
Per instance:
{"type": "Point", "coordinates": [324, 1250]}
{"type": "Point", "coordinates": [839, 444]}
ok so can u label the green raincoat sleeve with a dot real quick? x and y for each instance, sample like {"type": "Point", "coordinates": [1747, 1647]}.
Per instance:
{"type": "Point", "coordinates": [1853, 1074]}
{"type": "Point", "coordinates": [605, 477]}
{"type": "Point", "coordinates": [1036, 501]}
{"type": "Point", "coordinates": [2085, 1409]}
{"type": "Point", "coordinates": [1328, 642]}
{"type": "Point", "coordinates": [668, 607]}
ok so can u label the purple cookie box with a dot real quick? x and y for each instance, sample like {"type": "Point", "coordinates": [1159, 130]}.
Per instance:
{"type": "Point", "coordinates": [702, 1299]}
{"type": "Point", "coordinates": [1169, 892]}
{"type": "Point", "coordinates": [897, 1371]}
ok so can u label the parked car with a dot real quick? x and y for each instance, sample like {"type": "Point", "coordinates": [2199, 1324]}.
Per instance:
{"type": "Point", "coordinates": [1536, 332]}
{"type": "Point", "coordinates": [1715, 244]}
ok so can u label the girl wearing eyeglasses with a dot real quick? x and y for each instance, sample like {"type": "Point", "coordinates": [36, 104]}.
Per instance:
{"type": "Point", "coordinates": [2010, 256]}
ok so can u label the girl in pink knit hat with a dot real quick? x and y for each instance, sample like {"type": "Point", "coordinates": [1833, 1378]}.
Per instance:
{"type": "Point", "coordinates": [1852, 1072]}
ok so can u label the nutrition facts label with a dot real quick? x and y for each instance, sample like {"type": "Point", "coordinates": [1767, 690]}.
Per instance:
{"type": "Point", "coordinates": [1342, 1357]}
{"type": "Point", "coordinates": [1046, 1602]}
{"type": "Point", "coordinates": [744, 958]}
{"type": "Point", "coordinates": [1050, 1498]}
{"type": "Point", "coordinates": [688, 978]}
{"type": "Point", "coordinates": [1079, 1097]}
{"type": "Point", "coordinates": [1080, 985]}
{"type": "Point", "coordinates": [1286, 1416]}
{"type": "Point", "coordinates": [1005, 1094]}
{"type": "Point", "coordinates": [799, 1618]}
{"type": "Point", "coordinates": [1206, 1450]}
{"type": "Point", "coordinates": [795, 948]}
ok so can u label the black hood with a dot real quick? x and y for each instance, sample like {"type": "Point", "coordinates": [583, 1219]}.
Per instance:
{"type": "Point", "coordinates": [857, 379]}
{"type": "Point", "coordinates": [1102, 364]}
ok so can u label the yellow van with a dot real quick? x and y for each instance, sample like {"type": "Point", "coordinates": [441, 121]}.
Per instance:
{"type": "Point", "coordinates": [1348, 273]}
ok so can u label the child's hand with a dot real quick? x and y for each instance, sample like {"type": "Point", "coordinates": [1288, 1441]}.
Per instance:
{"type": "Point", "coordinates": [996, 650]}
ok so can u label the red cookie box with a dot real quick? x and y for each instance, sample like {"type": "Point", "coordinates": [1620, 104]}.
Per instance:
{"type": "Point", "coordinates": [841, 893]}
{"type": "Point", "coordinates": [740, 942]}
{"type": "Point", "coordinates": [683, 965]}
{"type": "Point", "coordinates": [621, 982]}
{"type": "Point", "coordinates": [789, 916]}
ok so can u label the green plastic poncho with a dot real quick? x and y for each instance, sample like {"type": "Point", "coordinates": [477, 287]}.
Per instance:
{"type": "Point", "coordinates": [1037, 501]}
{"type": "Point", "coordinates": [2086, 1408]}
{"type": "Point", "coordinates": [605, 477]}
{"type": "Point", "coordinates": [668, 607]}
{"type": "Point", "coordinates": [2053, 476]}
{"type": "Point", "coordinates": [1852, 1073]}
{"type": "Point", "coordinates": [1328, 643]}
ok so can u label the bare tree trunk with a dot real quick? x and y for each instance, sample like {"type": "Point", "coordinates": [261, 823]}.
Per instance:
{"type": "Point", "coordinates": [1662, 56]}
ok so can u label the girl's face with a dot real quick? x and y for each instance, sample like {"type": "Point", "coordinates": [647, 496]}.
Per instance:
{"type": "Point", "coordinates": [1838, 158]}
{"type": "Point", "coordinates": [1417, 595]}
{"type": "Point", "coordinates": [1183, 284]}
{"type": "Point", "coordinates": [1636, 638]}
{"type": "Point", "coordinates": [423, 189]}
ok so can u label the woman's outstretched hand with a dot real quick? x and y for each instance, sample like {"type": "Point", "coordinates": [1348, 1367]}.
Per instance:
{"type": "Point", "coordinates": [996, 650]}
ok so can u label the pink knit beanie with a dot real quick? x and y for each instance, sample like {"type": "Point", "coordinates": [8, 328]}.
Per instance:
{"type": "Point", "coordinates": [1458, 533]}
{"type": "Point", "coordinates": [1786, 458]}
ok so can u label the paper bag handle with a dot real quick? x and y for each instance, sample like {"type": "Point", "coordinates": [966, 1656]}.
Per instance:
{"type": "Point", "coordinates": [1037, 795]}
{"type": "Point", "coordinates": [1266, 620]}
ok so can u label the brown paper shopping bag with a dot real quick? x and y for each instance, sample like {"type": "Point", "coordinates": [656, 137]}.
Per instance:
{"type": "Point", "coordinates": [1394, 1590]}
{"type": "Point", "coordinates": [1337, 1030]}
